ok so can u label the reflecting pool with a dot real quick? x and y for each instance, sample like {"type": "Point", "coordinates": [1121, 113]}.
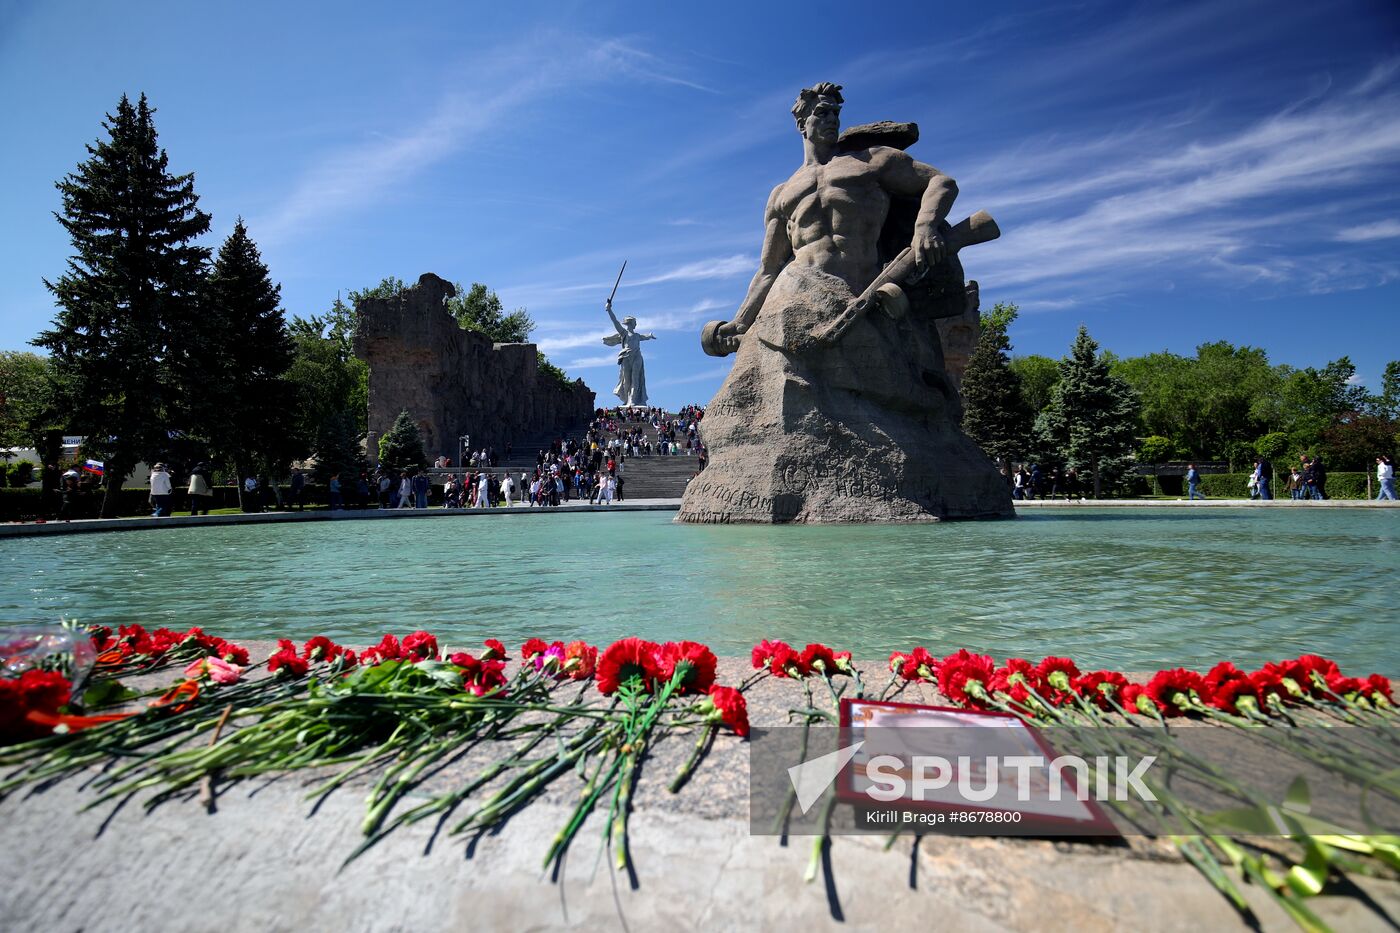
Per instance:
{"type": "Point", "coordinates": [1133, 589]}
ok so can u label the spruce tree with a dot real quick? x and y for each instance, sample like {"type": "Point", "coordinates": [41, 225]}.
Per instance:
{"type": "Point", "coordinates": [401, 447]}
{"type": "Point", "coordinates": [995, 414]}
{"type": "Point", "coordinates": [130, 289]}
{"type": "Point", "coordinates": [340, 447]}
{"type": "Point", "coordinates": [1092, 416]}
{"type": "Point", "coordinates": [233, 364]}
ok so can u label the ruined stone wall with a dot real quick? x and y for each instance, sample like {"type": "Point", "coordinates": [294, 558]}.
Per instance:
{"type": "Point", "coordinates": [454, 381]}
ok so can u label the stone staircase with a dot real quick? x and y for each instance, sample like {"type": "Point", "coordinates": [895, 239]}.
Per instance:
{"type": "Point", "coordinates": [653, 477]}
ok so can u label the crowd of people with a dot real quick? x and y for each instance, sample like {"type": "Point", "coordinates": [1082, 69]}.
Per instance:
{"type": "Point", "coordinates": [1029, 481]}
{"type": "Point", "coordinates": [591, 468]}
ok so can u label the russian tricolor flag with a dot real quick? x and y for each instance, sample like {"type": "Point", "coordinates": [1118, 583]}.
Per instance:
{"type": "Point", "coordinates": [94, 467]}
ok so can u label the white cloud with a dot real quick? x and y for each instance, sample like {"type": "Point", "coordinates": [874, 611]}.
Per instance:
{"type": "Point", "coordinates": [722, 267]}
{"type": "Point", "coordinates": [493, 86]}
{"type": "Point", "coordinates": [714, 372]}
{"type": "Point", "coordinates": [1244, 203]}
{"type": "Point", "coordinates": [592, 362]}
{"type": "Point", "coordinates": [1379, 76]}
{"type": "Point", "coordinates": [1380, 230]}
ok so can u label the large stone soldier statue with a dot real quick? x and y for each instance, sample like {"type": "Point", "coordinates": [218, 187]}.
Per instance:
{"type": "Point", "coordinates": [838, 407]}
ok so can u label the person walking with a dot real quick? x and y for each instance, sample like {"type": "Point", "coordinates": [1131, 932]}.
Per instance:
{"type": "Point", "coordinates": [1263, 469]}
{"type": "Point", "coordinates": [298, 487]}
{"type": "Point", "coordinates": [160, 491]}
{"type": "Point", "coordinates": [199, 490]}
{"type": "Point", "coordinates": [1385, 478]}
{"type": "Point", "coordinates": [1193, 482]}
{"type": "Point", "coordinates": [1319, 479]}
{"type": "Point", "coordinates": [1309, 491]}
{"type": "Point", "coordinates": [333, 489]}
{"type": "Point", "coordinates": [421, 484]}
{"type": "Point", "coordinates": [406, 491]}
{"type": "Point", "coordinates": [251, 499]}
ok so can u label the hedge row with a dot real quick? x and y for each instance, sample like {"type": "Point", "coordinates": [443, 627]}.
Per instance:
{"type": "Point", "coordinates": [28, 503]}
{"type": "Point", "coordinates": [1236, 486]}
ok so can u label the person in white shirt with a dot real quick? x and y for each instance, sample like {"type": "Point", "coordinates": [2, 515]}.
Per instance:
{"type": "Point", "coordinates": [1385, 477]}
{"type": "Point", "coordinates": [160, 491]}
{"type": "Point", "coordinates": [508, 489]}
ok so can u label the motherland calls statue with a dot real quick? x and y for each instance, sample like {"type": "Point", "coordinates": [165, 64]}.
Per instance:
{"type": "Point", "coordinates": [631, 374]}
{"type": "Point", "coordinates": [838, 408]}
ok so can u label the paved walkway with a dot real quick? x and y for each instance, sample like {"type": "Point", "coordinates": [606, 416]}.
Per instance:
{"type": "Point", "coordinates": [26, 529]}
{"type": "Point", "coordinates": [268, 860]}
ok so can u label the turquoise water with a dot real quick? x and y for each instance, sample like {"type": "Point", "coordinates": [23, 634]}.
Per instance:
{"type": "Point", "coordinates": [1132, 589]}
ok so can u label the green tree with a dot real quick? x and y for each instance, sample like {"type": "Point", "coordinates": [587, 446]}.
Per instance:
{"type": "Point", "coordinates": [1387, 404]}
{"type": "Point", "coordinates": [1155, 449]}
{"type": "Point", "coordinates": [1038, 375]}
{"type": "Point", "coordinates": [26, 398]}
{"type": "Point", "coordinates": [995, 414]}
{"type": "Point", "coordinates": [401, 447]}
{"type": "Point", "coordinates": [1272, 446]}
{"type": "Point", "coordinates": [1092, 415]}
{"type": "Point", "coordinates": [339, 447]}
{"type": "Point", "coordinates": [234, 365]}
{"type": "Point", "coordinates": [130, 289]}
{"type": "Point", "coordinates": [479, 308]}
{"type": "Point", "coordinates": [549, 371]}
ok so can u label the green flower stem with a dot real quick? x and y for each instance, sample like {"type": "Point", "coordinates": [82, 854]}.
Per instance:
{"type": "Point", "coordinates": [684, 773]}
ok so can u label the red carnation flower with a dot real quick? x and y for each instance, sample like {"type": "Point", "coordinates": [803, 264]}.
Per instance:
{"type": "Point", "coordinates": [34, 691]}
{"type": "Point", "coordinates": [1059, 673]}
{"type": "Point", "coordinates": [819, 658]}
{"type": "Point", "coordinates": [696, 661]}
{"type": "Point", "coordinates": [101, 636]}
{"type": "Point", "coordinates": [286, 662]}
{"type": "Point", "coordinates": [1223, 673]}
{"type": "Point", "coordinates": [963, 678]}
{"type": "Point", "coordinates": [843, 662]}
{"type": "Point", "coordinates": [1018, 691]}
{"type": "Point", "coordinates": [533, 647]}
{"type": "Point", "coordinates": [228, 651]}
{"type": "Point", "coordinates": [1346, 687]}
{"type": "Point", "coordinates": [1021, 671]}
{"type": "Point", "coordinates": [730, 707]}
{"type": "Point", "coordinates": [919, 665]}
{"type": "Point", "coordinates": [465, 661]}
{"type": "Point", "coordinates": [487, 676]}
{"type": "Point", "coordinates": [625, 659]}
{"type": "Point", "coordinates": [580, 660]}
{"type": "Point", "coordinates": [321, 648]}
{"type": "Point", "coordinates": [1235, 695]}
{"type": "Point", "coordinates": [388, 649]}
{"type": "Point", "coordinates": [420, 646]}
{"type": "Point", "coordinates": [786, 662]}
{"type": "Point", "coordinates": [1268, 683]}
{"type": "Point", "coordinates": [1177, 690]}
{"type": "Point", "coordinates": [763, 652]}
{"type": "Point", "coordinates": [495, 651]}
{"type": "Point", "coordinates": [1380, 686]}
{"type": "Point", "coordinates": [1102, 687]}
{"type": "Point", "coordinates": [1137, 700]}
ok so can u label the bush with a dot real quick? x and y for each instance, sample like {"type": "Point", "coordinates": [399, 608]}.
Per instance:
{"type": "Point", "coordinates": [17, 474]}
{"type": "Point", "coordinates": [1236, 485]}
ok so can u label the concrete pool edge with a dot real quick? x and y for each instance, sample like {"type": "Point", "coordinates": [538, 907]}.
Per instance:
{"type": "Point", "coordinates": [137, 523]}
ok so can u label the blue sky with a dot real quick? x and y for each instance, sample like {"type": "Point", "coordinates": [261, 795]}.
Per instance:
{"type": "Point", "coordinates": [1166, 173]}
